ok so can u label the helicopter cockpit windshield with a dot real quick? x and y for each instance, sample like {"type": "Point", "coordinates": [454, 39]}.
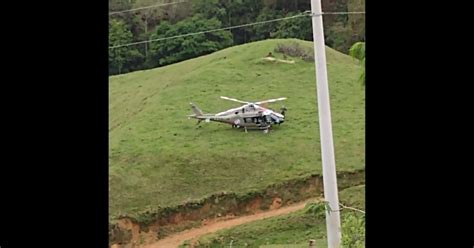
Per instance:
{"type": "Point", "coordinates": [271, 118]}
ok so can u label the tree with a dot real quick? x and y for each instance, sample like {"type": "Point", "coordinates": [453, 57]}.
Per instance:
{"type": "Point", "coordinates": [266, 30]}
{"type": "Point", "coordinates": [339, 36]}
{"type": "Point", "coordinates": [119, 57]}
{"type": "Point", "coordinates": [356, 22]}
{"type": "Point", "coordinates": [119, 5]}
{"type": "Point", "coordinates": [231, 13]}
{"type": "Point", "coordinates": [177, 49]}
{"type": "Point", "coordinates": [299, 28]}
{"type": "Point", "coordinates": [211, 8]}
{"type": "Point", "coordinates": [342, 30]}
{"type": "Point", "coordinates": [357, 51]}
{"type": "Point", "coordinates": [147, 18]}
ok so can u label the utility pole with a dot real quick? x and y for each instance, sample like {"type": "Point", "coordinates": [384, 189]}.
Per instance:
{"type": "Point", "coordinates": [333, 221]}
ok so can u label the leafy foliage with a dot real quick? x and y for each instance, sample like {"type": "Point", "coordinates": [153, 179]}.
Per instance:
{"type": "Point", "coordinates": [353, 224]}
{"type": "Point", "coordinates": [299, 28]}
{"type": "Point", "coordinates": [317, 209]}
{"type": "Point", "coordinates": [174, 50]}
{"type": "Point", "coordinates": [353, 231]}
{"type": "Point", "coordinates": [357, 51]}
{"type": "Point", "coordinates": [339, 36]}
{"type": "Point", "coordinates": [266, 30]}
{"type": "Point", "coordinates": [121, 56]}
{"type": "Point", "coordinates": [341, 30]}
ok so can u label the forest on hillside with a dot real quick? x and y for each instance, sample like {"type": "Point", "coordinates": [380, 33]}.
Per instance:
{"type": "Point", "coordinates": [177, 17]}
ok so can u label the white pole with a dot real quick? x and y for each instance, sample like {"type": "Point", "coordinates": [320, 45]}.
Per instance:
{"type": "Point", "coordinates": [333, 222]}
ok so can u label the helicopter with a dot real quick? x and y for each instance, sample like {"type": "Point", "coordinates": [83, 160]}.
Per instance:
{"type": "Point", "coordinates": [248, 116]}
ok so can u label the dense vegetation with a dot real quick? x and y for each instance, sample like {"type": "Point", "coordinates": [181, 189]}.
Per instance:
{"type": "Point", "coordinates": [199, 15]}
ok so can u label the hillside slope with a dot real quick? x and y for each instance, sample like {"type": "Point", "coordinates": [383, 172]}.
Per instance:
{"type": "Point", "coordinates": [157, 156]}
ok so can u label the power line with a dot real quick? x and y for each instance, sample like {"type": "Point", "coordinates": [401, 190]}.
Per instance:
{"type": "Point", "coordinates": [304, 14]}
{"type": "Point", "coordinates": [209, 31]}
{"type": "Point", "coordinates": [147, 7]}
{"type": "Point", "coordinates": [172, 3]}
{"type": "Point", "coordinates": [351, 208]}
{"type": "Point", "coordinates": [342, 13]}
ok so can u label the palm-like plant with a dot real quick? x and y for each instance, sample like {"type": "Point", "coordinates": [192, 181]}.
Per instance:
{"type": "Point", "coordinates": [357, 51]}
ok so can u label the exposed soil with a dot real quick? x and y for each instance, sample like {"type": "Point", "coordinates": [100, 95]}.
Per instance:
{"type": "Point", "coordinates": [176, 239]}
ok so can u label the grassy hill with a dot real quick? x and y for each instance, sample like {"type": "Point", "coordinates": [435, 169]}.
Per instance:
{"type": "Point", "coordinates": [157, 156]}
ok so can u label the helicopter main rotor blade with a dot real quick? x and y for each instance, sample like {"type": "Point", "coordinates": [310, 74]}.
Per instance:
{"type": "Point", "coordinates": [233, 99]}
{"type": "Point", "coordinates": [272, 100]}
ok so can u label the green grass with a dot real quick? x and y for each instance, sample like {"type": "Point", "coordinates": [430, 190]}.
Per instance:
{"type": "Point", "coordinates": [294, 228]}
{"type": "Point", "coordinates": [158, 158]}
{"type": "Point", "coordinates": [354, 197]}
{"type": "Point", "coordinates": [288, 231]}
{"type": "Point", "coordinates": [319, 243]}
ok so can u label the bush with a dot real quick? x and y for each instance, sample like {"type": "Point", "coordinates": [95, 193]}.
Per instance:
{"type": "Point", "coordinates": [317, 209]}
{"type": "Point", "coordinates": [353, 231]}
{"type": "Point", "coordinates": [295, 50]}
